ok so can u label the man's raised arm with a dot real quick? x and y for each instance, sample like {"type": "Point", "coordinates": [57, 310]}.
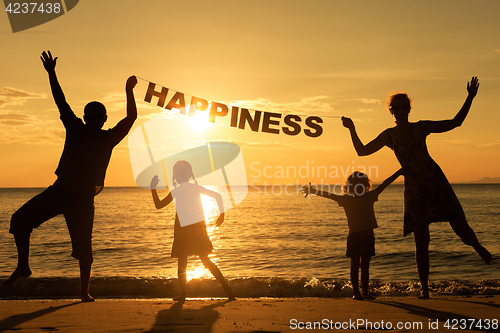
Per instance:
{"type": "Point", "coordinates": [49, 63]}
{"type": "Point", "coordinates": [126, 123]}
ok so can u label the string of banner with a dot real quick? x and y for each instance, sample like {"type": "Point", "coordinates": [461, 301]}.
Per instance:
{"type": "Point", "coordinates": [241, 118]}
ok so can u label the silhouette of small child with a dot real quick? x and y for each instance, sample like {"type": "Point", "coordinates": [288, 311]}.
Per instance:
{"type": "Point", "coordinates": [358, 200]}
{"type": "Point", "coordinates": [190, 233]}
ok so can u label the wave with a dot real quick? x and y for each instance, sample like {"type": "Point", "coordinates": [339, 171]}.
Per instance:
{"type": "Point", "coordinates": [274, 287]}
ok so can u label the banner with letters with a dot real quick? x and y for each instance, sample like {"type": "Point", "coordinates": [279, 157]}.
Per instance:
{"type": "Point", "coordinates": [239, 117]}
{"type": "Point", "coordinates": [172, 136]}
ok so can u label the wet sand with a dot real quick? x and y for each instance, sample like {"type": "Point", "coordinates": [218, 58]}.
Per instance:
{"type": "Point", "coordinates": [397, 314]}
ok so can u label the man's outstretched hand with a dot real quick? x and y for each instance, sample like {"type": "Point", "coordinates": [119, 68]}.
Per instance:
{"type": "Point", "coordinates": [49, 63]}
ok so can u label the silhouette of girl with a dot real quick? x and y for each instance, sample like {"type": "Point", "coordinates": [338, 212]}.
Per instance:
{"type": "Point", "coordinates": [190, 236]}
{"type": "Point", "coordinates": [429, 196]}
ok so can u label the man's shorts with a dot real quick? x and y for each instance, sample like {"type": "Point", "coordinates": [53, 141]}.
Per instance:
{"type": "Point", "coordinates": [361, 244]}
{"type": "Point", "coordinates": [77, 208]}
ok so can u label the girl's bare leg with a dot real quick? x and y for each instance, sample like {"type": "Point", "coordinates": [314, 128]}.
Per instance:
{"type": "Point", "coordinates": [218, 275]}
{"type": "Point", "coordinates": [181, 276]}
{"type": "Point", "coordinates": [422, 240]}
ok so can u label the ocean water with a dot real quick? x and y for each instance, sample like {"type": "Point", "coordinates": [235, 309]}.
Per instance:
{"type": "Point", "coordinates": [274, 244]}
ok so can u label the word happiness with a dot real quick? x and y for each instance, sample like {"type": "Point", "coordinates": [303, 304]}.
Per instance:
{"type": "Point", "coordinates": [267, 122]}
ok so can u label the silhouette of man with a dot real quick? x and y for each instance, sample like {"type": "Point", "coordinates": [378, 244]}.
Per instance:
{"type": "Point", "coordinates": [80, 176]}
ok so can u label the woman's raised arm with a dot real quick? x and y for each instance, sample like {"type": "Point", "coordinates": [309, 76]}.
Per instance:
{"type": "Point", "coordinates": [441, 126]}
{"type": "Point", "coordinates": [362, 149]}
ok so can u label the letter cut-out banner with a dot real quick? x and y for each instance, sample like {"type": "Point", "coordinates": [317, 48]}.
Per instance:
{"type": "Point", "coordinates": [236, 117]}
{"type": "Point", "coordinates": [157, 144]}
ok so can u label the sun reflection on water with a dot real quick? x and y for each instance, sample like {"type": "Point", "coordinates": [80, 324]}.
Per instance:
{"type": "Point", "coordinates": [211, 209]}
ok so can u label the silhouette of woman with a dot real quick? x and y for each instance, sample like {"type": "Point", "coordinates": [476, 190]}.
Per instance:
{"type": "Point", "coordinates": [429, 196]}
{"type": "Point", "coordinates": [190, 233]}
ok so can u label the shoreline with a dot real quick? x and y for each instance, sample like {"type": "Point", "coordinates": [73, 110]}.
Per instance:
{"type": "Point", "coordinates": [252, 314]}
{"type": "Point", "coordinates": [496, 181]}
{"type": "Point", "coordinates": [246, 288]}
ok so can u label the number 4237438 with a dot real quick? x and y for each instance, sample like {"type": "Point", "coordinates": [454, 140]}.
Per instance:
{"type": "Point", "coordinates": [471, 323]}
{"type": "Point", "coordinates": [33, 8]}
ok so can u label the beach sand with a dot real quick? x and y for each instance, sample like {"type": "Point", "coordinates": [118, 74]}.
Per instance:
{"type": "Point", "coordinates": [250, 315]}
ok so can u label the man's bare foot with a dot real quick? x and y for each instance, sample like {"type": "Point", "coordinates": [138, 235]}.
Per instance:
{"type": "Point", "coordinates": [18, 273]}
{"type": "Point", "coordinates": [87, 298]}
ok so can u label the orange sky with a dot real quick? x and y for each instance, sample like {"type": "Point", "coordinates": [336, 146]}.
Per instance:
{"type": "Point", "coordinates": [304, 57]}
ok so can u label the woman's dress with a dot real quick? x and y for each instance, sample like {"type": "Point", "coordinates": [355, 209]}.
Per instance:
{"type": "Point", "coordinates": [428, 196]}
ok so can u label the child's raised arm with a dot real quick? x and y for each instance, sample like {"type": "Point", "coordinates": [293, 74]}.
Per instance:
{"type": "Point", "coordinates": [159, 203]}
{"type": "Point", "coordinates": [388, 181]}
{"type": "Point", "coordinates": [311, 189]}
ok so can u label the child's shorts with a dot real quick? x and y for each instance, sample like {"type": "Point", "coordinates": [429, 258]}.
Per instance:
{"type": "Point", "coordinates": [361, 243]}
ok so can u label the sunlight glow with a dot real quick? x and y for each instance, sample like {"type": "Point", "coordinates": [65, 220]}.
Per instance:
{"type": "Point", "coordinates": [198, 271]}
{"type": "Point", "coordinates": [200, 121]}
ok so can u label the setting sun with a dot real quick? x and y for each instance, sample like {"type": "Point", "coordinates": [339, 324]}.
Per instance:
{"type": "Point", "coordinates": [199, 121]}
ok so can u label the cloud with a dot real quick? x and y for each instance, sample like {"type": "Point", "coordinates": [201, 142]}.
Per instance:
{"type": "Point", "coordinates": [12, 96]}
{"type": "Point", "coordinates": [369, 100]}
{"type": "Point", "coordinates": [13, 119]}
{"type": "Point", "coordinates": [448, 142]}
{"type": "Point", "coordinates": [284, 144]}
{"type": "Point", "coordinates": [57, 134]}
{"type": "Point", "coordinates": [27, 129]}
{"type": "Point", "coordinates": [489, 144]}
{"type": "Point", "coordinates": [315, 105]}
{"type": "Point", "coordinates": [32, 135]}
{"type": "Point", "coordinates": [115, 102]}
{"type": "Point", "coordinates": [322, 106]}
